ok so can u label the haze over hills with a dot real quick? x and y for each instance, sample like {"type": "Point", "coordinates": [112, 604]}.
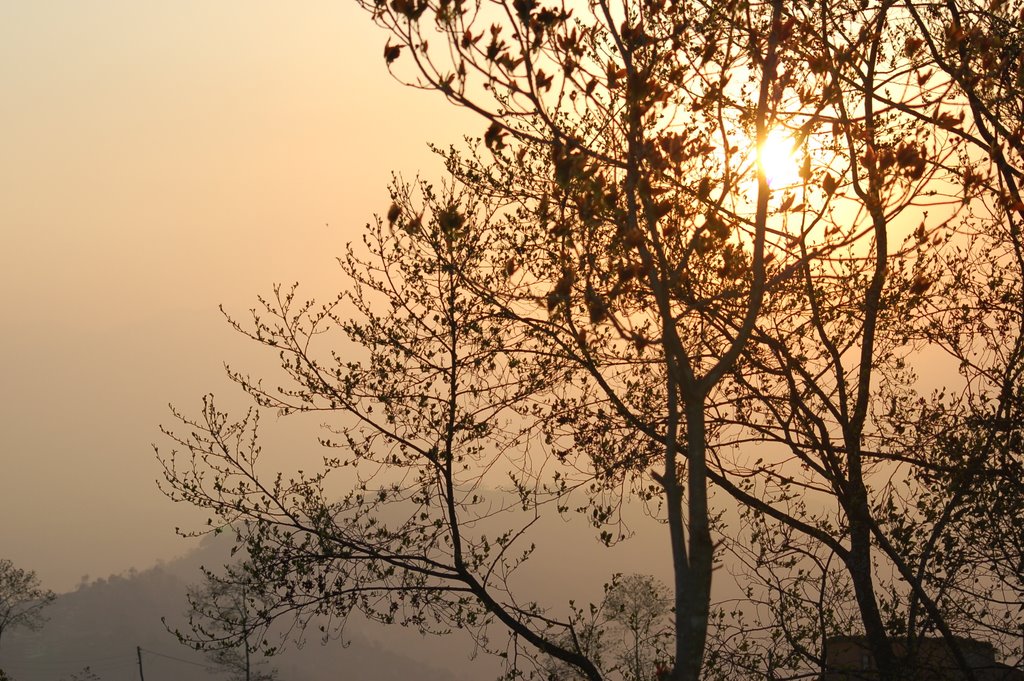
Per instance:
{"type": "Point", "coordinates": [101, 623]}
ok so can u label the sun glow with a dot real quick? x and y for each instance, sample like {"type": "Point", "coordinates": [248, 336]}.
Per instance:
{"type": "Point", "coordinates": [778, 160]}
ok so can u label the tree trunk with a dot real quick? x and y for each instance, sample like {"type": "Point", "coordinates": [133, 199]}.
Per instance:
{"type": "Point", "coordinates": [859, 566]}
{"type": "Point", "coordinates": [693, 577]}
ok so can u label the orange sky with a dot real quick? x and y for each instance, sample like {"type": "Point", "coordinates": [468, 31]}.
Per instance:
{"type": "Point", "coordinates": [160, 158]}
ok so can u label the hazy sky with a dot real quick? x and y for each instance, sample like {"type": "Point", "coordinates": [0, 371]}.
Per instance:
{"type": "Point", "coordinates": [158, 159]}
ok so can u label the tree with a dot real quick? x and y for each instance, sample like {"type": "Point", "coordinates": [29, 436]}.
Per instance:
{"type": "Point", "coordinates": [225, 622]}
{"type": "Point", "coordinates": [815, 358]}
{"type": "Point", "coordinates": [22, 599]}
{"type": "Point", "coordinates": [416, 540]}
{"type": "Point", "coordinates": [628, 632]}
{"type": "Point", "coordinates": [970, 551]}
{"type": "Point", "coordinates": [621, 286]}
{"type": "Point", "coordinates": [843, 403]}
{"type": "Point", "coordinates": [629, 250]}
{"type": "Point", "coordinates": [638, 605]}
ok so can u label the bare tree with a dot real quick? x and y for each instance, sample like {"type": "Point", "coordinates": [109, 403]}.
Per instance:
{"type": "Point", "coordinates": [435, 409]}
{"type": "Point", "coordinates": [638, 606]}
{"type": "Point", "coordinates": [628, 633]}
{"type": "Point", "coordinates": [226, 622]}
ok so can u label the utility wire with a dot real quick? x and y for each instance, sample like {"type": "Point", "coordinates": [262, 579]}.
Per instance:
{"type": "Point", "coordinates": [42, 665]}
{"type": "Point", "coordinates": [182, 660]}
{"type": "Point", "coordinates": [118, 660]}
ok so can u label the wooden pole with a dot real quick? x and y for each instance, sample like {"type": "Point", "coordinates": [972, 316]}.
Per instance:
{"type": "Point", "coordinates": [138, 651]}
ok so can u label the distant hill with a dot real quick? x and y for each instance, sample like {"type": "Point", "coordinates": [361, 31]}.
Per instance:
{"type": "Point", "coordinates": [100, 624]}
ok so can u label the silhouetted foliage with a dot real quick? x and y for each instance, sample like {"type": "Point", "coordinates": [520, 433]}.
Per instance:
{"type": "Point", "coordinates": [225, 620]}
{"type": "Point", "coordinates": [22, 598]}
{"type": "Point", "coordinates": [622, 297]}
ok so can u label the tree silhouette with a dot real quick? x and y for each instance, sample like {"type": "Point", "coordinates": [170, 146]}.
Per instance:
{"type": "Point", "coordinates": [434, 406]}
{"type": "Point", "coordinates": [617, 300]}
{"type": "Point", "coordinates": [22, 598]}
{"type": "Point", "coordinates": [639, 606]}
{"type": "Point", "coordinates": [225, 617]}
{"type": "Point", "coordinates": [827, 361]}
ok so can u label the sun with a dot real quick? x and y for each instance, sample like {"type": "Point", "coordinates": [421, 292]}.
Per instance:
{"type": "Point", "coordinates": [778, 160]}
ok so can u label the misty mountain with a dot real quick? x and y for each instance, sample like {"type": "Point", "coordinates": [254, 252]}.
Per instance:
{"type": "Point", "coordinates": [105, 624]}
{"type": "Point", "coordinates": [102, 622]}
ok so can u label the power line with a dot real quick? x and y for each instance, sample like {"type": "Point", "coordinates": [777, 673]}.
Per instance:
{"type": "Point", "coordinates": [33, 659]}
{"type": "Point", "coordinates": [41, 664]}
{"type": "Point", "coordinates": [179, 659]}
{"type": "Point", "coordinates": [107, 661]}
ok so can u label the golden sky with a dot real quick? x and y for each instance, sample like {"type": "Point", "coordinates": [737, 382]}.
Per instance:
{"type": "Point", "coordinates": [158, 159]}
